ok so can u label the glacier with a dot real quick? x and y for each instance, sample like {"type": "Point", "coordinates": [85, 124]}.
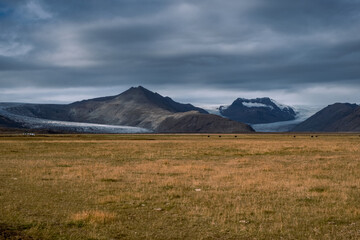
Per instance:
{"type": "Point", "coordinates": [302, 113]}
{"type": "Point", "coordinates": [65, 126]}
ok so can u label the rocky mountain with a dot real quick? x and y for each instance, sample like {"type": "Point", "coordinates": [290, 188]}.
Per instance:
{"type": "Point", "coordinates": [137, 107]}
{"type": "Point", "coordinates": [338, 117]}
{"type": "Point", "coordinates": [134, 107]}
{"type": "Point", "coordinates": [259, 110]}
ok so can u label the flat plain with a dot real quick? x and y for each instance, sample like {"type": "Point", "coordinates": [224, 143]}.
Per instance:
{"type": "Point", "coordinates": [254, 186]}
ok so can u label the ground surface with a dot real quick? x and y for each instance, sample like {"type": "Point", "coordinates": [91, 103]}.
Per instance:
{"type": "Point", "coordinates": [180, 187]}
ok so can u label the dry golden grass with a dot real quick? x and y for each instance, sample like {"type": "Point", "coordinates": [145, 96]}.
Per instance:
{"type": "Point", "coordinates": [180, 187]}
{"type": "Point", "coordinates": [93, 217]}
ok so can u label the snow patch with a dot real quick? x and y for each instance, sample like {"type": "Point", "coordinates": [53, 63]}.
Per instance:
{"type": "Point", "coordinates": [252, 104]}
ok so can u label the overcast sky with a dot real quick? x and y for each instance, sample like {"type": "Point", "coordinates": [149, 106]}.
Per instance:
{"type": "Point", "coordinates": [208, 51]}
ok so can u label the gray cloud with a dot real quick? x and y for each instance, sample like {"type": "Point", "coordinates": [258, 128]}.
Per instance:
{"type": "Point", "coordinates": [234, 45]}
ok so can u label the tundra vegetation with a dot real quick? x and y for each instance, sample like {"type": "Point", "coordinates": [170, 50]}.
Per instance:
{"type": "Point", "coordinates": [251, 186]}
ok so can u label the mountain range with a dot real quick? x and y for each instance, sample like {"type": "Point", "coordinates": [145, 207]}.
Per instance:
{"type": "Point", "coordinates": [136, 107]}
{"type": "Point", "coordinates": [139, 110]}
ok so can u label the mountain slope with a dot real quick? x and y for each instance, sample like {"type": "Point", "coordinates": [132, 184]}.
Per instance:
{"type": "Point", "coordinates": [201, 123]}
{"type": "Point", "coordinates": [259, 110]}
{"type": "Point", "coordinates": [6, 122]}
{"type": "Point", "coordinates": [338, 117]}
{"type": "Point", "coordinates": [351, 122]}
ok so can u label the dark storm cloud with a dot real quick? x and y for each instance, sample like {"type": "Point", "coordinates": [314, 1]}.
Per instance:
{"type": "Point", "coordinates": [306, 16]}
{"type": "Point", "coordinates": [10, 64]}
{"type": "Point", "coordinates": [252, 45]}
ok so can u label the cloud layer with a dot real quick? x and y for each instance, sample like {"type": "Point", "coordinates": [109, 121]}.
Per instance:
{"type": "Point", "coordinates": [260, 46]}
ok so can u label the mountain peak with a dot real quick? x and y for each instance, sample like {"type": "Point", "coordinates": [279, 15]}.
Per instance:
{"type": "Point", "coordinates": [143, 96]}
{"type": "Point", "coordinates": [138, 89]}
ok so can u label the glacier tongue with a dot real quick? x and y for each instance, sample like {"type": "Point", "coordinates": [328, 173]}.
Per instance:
{"type": "Point", "coordinates": [302, 113]}
{"type": "Point", "coordinates": [38, 123]}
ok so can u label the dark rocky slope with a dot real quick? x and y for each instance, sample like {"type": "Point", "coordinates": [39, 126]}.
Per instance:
{"type": "Point", "coordinates": [8, 123]}
{"type": "Point", "coordinates": [201, 123]}
{"type": "Point", "coordinates": [338, 117]}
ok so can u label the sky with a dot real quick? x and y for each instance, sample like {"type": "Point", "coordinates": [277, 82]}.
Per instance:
{"type": "Point", "coordinates": [203, 52]}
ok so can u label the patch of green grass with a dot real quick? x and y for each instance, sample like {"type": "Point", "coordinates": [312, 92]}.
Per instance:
{"type": "Point", "coordinates": [64, 165]}
{"type": "Point", "coordinates": [168, 187]}
{"type": "Point", "coordinates": [77, 224]}
{"type": "Point", "coordinates": [15, 231]}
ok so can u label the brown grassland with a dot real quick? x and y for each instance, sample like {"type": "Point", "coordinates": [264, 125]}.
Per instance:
{"type": "Point", "coordinates": [256, 186]}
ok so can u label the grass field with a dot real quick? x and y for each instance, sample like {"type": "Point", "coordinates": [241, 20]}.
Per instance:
{"type": "Point", "coordinates": [180, 187]}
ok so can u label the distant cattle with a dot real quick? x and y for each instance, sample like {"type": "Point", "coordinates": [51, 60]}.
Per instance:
{"type": "Point", "coordinates": [29, 134]}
